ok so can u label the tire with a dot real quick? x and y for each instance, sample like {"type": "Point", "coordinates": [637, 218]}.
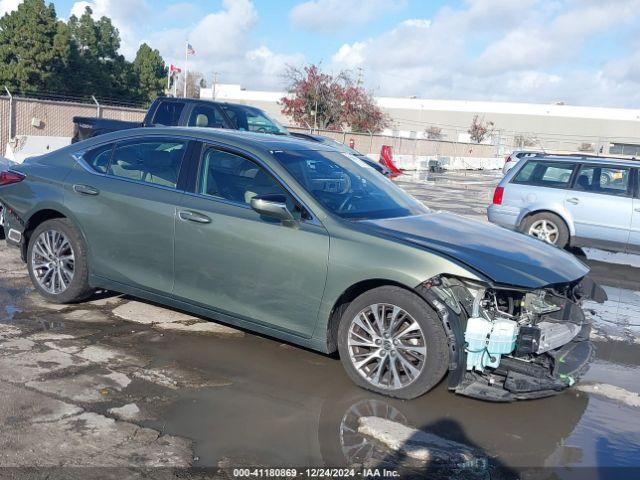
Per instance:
{"type": "Point", "coordinates": [77, 285]}
{"type": "Point", "coordinates": [554, 222]}
{"type": "Point", "coordinates": [428, 369]}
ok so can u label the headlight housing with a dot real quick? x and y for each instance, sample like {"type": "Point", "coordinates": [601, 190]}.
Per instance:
{"type": "Point", "coordinates": [457, 293]}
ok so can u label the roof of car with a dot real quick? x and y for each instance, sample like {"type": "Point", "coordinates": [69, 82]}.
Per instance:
{"type": "Point", "coordinates": [585, 159]}
{"type": "Point", "coordinates": [237, 138]}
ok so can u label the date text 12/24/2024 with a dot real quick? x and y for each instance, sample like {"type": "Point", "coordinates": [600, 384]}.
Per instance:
{"type": "Point", "coordinates": [314, 473]}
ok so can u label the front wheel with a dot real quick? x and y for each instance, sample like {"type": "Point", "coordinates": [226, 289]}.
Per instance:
{"type": "Point", "coordinates": [57, 262]}
{"type": "Point", "coordinates": [392, 342]}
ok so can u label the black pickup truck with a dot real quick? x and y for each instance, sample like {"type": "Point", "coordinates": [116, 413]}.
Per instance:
{"type": "Point", "coordinates": [190, 112]}
{"type": "Point", "coordinates": [168, 111]}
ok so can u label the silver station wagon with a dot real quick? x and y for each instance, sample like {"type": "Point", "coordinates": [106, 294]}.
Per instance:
{"type": "Point", "coordinates": [578, 201]}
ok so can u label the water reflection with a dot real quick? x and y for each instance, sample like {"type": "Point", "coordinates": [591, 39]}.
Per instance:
{"type": "Point", "coordinates": [362, 449]}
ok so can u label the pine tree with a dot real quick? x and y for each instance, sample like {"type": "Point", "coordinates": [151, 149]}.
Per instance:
{"type": "Point", "coordinates": [39, 53]}
{"type": "Point", "coordinates": [151, 72]}
{"type": "Point", "coordinates": [105, 73]}
{"type": "Point", "coordinates": [34, 51]}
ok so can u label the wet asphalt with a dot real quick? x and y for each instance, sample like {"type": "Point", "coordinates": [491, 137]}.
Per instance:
{"type": "Point", "coordinates": [187, 398]}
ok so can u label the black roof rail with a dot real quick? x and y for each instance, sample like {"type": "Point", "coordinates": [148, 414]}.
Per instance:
{"type": "Point", "coordinates": [580, 156]}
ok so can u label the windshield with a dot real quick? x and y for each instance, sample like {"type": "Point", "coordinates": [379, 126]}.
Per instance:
{"type": "Point", "coordinates": [347, 186]}
{"type": "Point", "coordinates": [253, 120]}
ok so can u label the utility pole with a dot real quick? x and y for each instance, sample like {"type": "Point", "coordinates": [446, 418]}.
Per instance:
{"type": "Point", "coordinates": [359, 80]}
{"type": "Point", "coordinates": [186, 67]}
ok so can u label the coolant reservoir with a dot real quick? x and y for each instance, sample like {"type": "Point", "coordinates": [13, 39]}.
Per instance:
{"type": "Point", "coordinates": [487, 341]}
{"type": "Point", "coordinates": [502, 340]}
{"type": "Point", "coordinates": [475, 336]}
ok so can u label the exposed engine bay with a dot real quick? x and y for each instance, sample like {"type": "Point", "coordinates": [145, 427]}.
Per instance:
{"type": "Point", "coordinates": [509, 343]}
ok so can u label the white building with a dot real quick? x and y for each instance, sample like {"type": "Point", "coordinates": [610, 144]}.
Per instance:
{"type": "Point", "coordinates": [554, 127]}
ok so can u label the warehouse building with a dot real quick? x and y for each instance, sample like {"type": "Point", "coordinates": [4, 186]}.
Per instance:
{"type": "Point", "coordinates": [555, 127]}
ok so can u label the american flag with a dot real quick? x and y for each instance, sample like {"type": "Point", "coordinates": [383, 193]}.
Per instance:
{"type": "Point", "coordinates": [190, 50]}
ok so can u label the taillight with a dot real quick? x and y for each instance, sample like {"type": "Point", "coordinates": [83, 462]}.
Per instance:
{"type": "Point", "coordinates": [7, 178]}
{"type": "Point", "coordinates": [498, 193]}
{"type": "Point", "coordinates": [507, 158]}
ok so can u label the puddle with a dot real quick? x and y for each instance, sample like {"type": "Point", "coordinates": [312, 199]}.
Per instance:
{"type": "Point", "coordinates": [280, 410]}
{"type": "Point", "coordinates": [625, 376]}
{"type": "Point", "coordinates": [608, 435]}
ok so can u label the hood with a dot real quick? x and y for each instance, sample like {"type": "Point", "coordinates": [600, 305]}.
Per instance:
{"type": "Point", "coordinates": [504, 256]}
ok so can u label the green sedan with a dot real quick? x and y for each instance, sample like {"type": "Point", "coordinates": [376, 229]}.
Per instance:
{"type": "Point", "coordinates": [305, 243]}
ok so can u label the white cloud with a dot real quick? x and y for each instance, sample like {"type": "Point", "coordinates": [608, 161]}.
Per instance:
{"type": "Point", "coordinates": [547, 44]}
{"type": "Point", "coordinates": [333, 15]}
{"type": "Point", "coordinates": [7, 6]}
{"type": "Point", "coordinates": [350, 55]}
{"type": "Point", "coordinates": [532, 50]}
{"type": "Point", "coordinates": [126, 15]}
{"type": "Point", "coordinates": [223, 43]}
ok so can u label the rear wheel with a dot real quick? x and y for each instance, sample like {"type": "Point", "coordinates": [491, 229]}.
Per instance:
{"type": "Point", "coordinates": [547, 227]}
{"type": "Point", "coordinates": [393, 343]}
{"type": "Point", "coordinates": [57, 262]}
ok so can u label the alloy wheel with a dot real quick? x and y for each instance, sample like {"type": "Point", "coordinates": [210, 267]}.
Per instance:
{"type": "Point", "coordinates": [387, 346]}
{"type": "Point", "coordinates": [53, 261]}
{"type": "Point", "coordinates": [545, 230]}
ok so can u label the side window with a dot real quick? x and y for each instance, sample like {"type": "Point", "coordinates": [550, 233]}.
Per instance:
{"type": "Point", "coordinates": [155, 161]}
{"type": "Point", "coordinates": [98, 158]}
{"type": "Point", "coordinates": [603, 179]}
{"type": "Point", "coordinates": [238, 122]}
{"type": "Point", "coordinates": [545, 174]}
{"type": "Point", "coordinates": [257, 122]}
{"type": "Point", "coordinates": [206, 116]}
{"type": "Point", "coordinates": [232, 177]}
{"type": "Point", "coordinates": [168, 113]}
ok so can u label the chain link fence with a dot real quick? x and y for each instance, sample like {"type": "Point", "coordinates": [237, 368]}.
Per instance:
{"type": "Point", "coordinates": [30, 116]}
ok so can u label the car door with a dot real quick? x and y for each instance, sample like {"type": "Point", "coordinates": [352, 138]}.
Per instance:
{"type": "Point", "coordinates": [601, 203]}
{"type": "Point", "coordinates": [231, 259]}
{"type": "Point", "coordinates": [634, 235]}
{"type": "Point", "coordinates": [125, 198]}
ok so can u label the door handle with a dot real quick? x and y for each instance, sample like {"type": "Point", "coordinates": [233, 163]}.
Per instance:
{"type": "Point", "coordinates": [637, 209]}
{"type": "Point", "coordinates": [189, 216]}
{"type": "Point", "coordinates": [85, 189]}
{"type": "Point", "coordinates": [573, 200]}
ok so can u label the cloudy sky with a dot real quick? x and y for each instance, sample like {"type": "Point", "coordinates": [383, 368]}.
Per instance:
{"type": "Point", "coordinates": [582, 52]}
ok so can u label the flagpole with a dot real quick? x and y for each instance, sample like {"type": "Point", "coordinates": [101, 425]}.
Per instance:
{"type": "Point", "coordinates": [186, 67]}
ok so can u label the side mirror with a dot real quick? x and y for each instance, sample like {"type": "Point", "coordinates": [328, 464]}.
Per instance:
{"type": "Point", "coordinates": [274, 206]}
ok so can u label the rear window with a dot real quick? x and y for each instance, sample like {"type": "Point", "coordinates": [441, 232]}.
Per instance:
{"type": "Point", "coordinates": [545, 174]}
{"type": "Point", "coordinates": [168, 113]}
{"type": "Point", "coordinates": [99, 158]}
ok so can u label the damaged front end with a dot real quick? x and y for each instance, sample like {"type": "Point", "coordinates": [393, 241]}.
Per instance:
{"type": "Point", "coordinates": [509, 343]}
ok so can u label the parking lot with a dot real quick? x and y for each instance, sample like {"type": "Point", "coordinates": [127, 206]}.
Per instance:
{"type": "Point", "coordinates": [116, 382]}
